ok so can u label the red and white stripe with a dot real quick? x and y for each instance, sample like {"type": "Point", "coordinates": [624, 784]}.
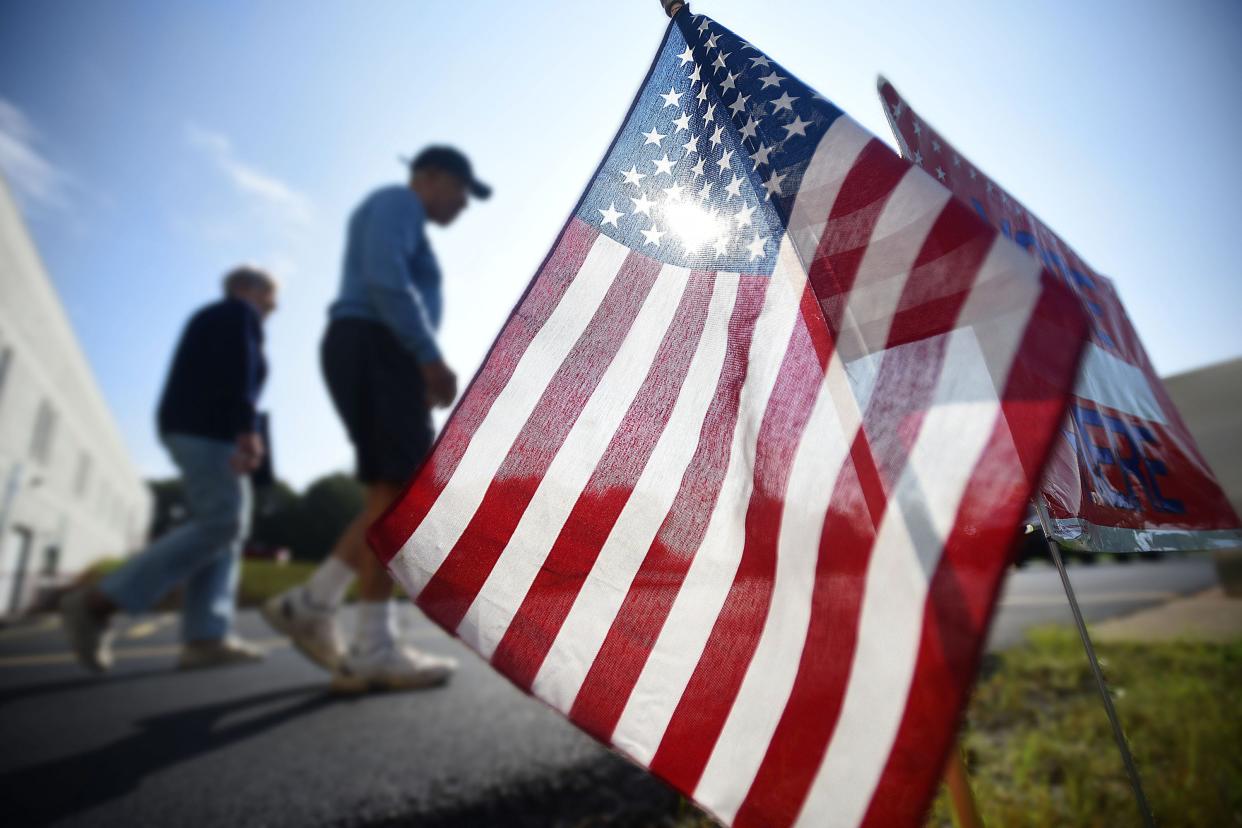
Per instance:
{"type": "Point", "coordinates": [750, 530]}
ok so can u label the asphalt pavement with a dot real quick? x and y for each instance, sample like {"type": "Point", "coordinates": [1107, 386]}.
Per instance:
{"type": "Point", "coordinates": [268, 745]}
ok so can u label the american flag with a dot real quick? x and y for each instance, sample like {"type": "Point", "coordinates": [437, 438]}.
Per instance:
{"type": "Point", "coordinates": [734, 488]}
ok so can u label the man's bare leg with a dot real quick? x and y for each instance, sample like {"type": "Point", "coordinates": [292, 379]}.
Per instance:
{"type": "Point", "coordinates": [351, 548]}
{"type": "Point", "coordinates": [307, 613]}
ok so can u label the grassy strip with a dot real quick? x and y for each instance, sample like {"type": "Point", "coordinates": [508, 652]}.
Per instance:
{"type": "Point", "coordinates": [1040, 750]}
{"type": "Point", "coordinates": [259, 579]}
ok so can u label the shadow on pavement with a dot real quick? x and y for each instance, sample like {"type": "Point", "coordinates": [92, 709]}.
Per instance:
{"type": "Point", "coordinates": [45, 793]}
{"type": "Point", "coordinates": [81, 682]}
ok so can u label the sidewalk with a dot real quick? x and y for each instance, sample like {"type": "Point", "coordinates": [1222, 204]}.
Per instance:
{"type": "Point", "coordinates": [1206, 616]}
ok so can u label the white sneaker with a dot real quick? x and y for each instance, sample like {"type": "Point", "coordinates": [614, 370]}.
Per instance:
{"type": "Point", "coordinates": [391, 666]}
{"type": "Point", "coordinates": [90, 638]}
{"type": "Point", "coordinates": [312, 630]}
{"type": "Point", "coordinates": [223, 653]}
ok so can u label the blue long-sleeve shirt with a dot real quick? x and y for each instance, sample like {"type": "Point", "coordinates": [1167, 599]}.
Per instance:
{"type": "Point", "coordinates": [390, 274]}
{"type": "Point", "coordinates": [217, 373]}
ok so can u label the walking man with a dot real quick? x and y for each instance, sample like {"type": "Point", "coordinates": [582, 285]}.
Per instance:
{"type": "Point", "coordinates": [208, 423]}
{"type": "Point", "coordinates": [385, 372]}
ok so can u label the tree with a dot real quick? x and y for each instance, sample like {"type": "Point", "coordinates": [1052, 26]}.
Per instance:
{"type": "Point", "coordinates": [327, 507]}
{"type": "Point", "coordinates": [169, 509]}
{"type": "Point", "coordinates": [308, 523]}
{"type": "Point", "coordinates": [277, 512]}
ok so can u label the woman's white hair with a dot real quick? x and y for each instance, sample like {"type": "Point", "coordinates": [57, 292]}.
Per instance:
{"type": "Point", "coordinates": [248, 277]}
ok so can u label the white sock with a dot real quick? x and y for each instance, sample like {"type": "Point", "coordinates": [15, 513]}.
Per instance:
{"type": "Point", "coordinates": [327, 587]}
{"type": "Point", "coordinates": [377, 625]}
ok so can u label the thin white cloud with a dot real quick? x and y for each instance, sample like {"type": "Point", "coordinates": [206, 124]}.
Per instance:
{"type": "Point", "coordinates": [35, 180]}
{"type": "Point", "coordinates": [265, 189]}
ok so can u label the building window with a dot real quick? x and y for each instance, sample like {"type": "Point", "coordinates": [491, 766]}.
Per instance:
{"type": "Point", "coordinates": [44, 432]}
{"type": "Point", "coordinates": [83, 478]}
{"type": "Point", "coordinates": [51, 560]}
{"type": "Point", "coordinates": [6, 362]}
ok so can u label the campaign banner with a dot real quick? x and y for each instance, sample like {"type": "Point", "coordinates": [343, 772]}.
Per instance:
{"type": "Point", "coordinates": [1127, 476]}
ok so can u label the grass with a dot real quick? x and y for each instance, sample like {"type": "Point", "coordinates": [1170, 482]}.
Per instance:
{"type": "Point", "coordinates": [259, 579]}
{"type": "Point", "coordinates": [1040, 751]}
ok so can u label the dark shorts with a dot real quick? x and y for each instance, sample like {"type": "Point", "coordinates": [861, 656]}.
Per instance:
{"type": "Point", "coordinates": [377, 388]}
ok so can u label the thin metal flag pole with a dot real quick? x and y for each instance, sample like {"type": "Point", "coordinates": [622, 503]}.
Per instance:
{"type": "Point", "coordinates": [1120, 737]}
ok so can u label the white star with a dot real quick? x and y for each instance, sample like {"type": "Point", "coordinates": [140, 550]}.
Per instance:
{"type": "Point", "coordinates": [674, 192]}
{"type": "Point", "coordinates": [710, 115]}
{"type": "Point", "coordinates": [730, 82]}
{"type": "Point", "coordinates": [671, 98]}
{"type": "Point", "coordinates": [734, 187]}
{"type": "Point", "coordinates": [702, 96]}
{"type": "Point", "coordinates": [760, 61]}
{"type": "Point", "coordinates": [918, 158]}
{"type": "Point", "coordinates": [796, 127]}
{"type": "Point", "coordinates": [756, 247]}
{"type": "Point", "coordinates": [611, 214]}
{"type": "Point", "coordinates": [653, 137]}
{"type": "Point", "coordinates": [771, 80]}
{"type": "Point", "coordinates": [748, 131]}
{"type": "Point", "coordinates": [721, 245]}
{"type": "Point", "coordinates": [743, 216]}
{"type": "Point", "coordinates": [642, 204]}
{"type": "Point", "coordinates": [739, 106]}
{"type": "Point", "coordinates": [773, 185]}
{"type": "Point", "coordinates": [760, 156]}
{"type": "Point", "coordinates": [697, 169]}
{"type": "Point", "coordinates": [633, 176]}
{"type": "Point", "coordinates": [681, 123]}
{"type": "Point", "coordinates": [719, 62]}
{"type": "Point", "coordinates": [896, 110]}
{"type": "Point", "coordinates": [783, 102]}
{"type": "Point", "coordinates": [691, 144]}
{"type": "Point", "coordinates": [724, 161]}
{"type": "Point", "coordinates": [715, 139]}
{"type": "Point", "coordinates": [972, 173]}
{"type": "Point", "coordinates": [918, 130]}
{"type": "Point", "coordinates": [935, 145]}
{"type": "Point", "coordinates": [687, 56]}
{"type": "Point", "coordinates": [711, 42]}
{"type": "Point", "coordinates": [957, 161]}
{"type": "Point", "coordinates": [703, 25]}
{"type": "Point", "coordinates": [989, 188]}
{"type": "Point", "coordinates": [653, 235]}
{"type": "Point", "coordinates": [694, 76]}
{"type": "Point", "coordinates": [663, 165]}
{"type": "Point", "coordinates": [940, 173]}
{"type": "Point", "coordinates": [707, 189]}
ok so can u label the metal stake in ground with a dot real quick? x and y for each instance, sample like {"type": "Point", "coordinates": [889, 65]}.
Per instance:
{"type": "Point", "coordinates": [1118, 735]}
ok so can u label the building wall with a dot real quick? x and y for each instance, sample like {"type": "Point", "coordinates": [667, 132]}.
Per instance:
{"type": "Point", "coordinates": [69, 493]}
{"type": "Point", "coordinates": [1210, 400]}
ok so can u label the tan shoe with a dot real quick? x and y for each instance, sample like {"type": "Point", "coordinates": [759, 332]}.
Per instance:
{"type": "Point", "coordinates": [90, 638]}
{"type": "Point", "coordinates": [312, 630]}
{"type": "Point", "coordinates": [391, 666]}
{"type": "Point", "coordinates": [197, 655]}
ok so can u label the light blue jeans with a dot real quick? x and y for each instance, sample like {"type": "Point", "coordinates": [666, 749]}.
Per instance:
{"type": "Point", "coordinates": [203, 553]}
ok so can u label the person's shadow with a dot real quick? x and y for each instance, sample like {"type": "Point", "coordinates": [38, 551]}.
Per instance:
{"type": "Point", "coordinates": [47, 792]}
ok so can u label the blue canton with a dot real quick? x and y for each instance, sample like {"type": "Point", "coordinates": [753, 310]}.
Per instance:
{"type": "Point", "coordinates": [705, 170]}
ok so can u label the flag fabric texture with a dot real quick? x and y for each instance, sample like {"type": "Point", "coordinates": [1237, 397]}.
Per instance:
{"type": "Point", "coordinates": [1126, 474]}
{"type": "Point", "coordinates": [735, 487]}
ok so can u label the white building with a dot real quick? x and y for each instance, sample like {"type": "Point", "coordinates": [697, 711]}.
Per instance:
{"type": "Point", "coordinates": [69, 493]}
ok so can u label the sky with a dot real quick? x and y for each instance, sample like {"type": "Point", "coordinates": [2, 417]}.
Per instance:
{"type": "Point", "coordinates": [154, 145]}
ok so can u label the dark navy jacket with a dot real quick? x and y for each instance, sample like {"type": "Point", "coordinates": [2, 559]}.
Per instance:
{"type": "Point", "coordinates": [217, 373]}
